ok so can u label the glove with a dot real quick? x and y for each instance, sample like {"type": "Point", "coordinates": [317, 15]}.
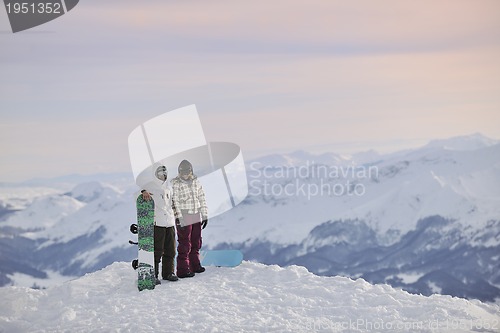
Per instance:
{"type": "Point", "coordinates": [178, 222]}
{"type": "Point", "coordinates": [204, 223]}
{"type": "Point", "coordinates": [146, 195]}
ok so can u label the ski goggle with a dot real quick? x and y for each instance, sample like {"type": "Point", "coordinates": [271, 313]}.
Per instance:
{"type": "Point", "coordinates": [161, 172]}
{"type": "Point", "coordinates": [185, 172]}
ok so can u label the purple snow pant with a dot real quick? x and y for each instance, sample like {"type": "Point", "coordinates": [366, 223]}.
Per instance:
{"type": "Point", "coordinates": [188, 249]}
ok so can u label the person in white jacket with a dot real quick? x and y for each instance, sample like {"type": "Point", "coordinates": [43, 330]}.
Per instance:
{"type": "Point", "coordinates": [164, 230]}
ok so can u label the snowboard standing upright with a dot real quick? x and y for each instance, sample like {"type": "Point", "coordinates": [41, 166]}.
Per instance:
{"type": "Point", "coordinates": [145, 226]}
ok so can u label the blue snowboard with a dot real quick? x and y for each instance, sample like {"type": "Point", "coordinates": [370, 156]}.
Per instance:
{"type": "Point", "coordinates": [221, 258]}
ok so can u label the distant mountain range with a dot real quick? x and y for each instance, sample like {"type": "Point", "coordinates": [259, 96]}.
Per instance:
{"type": "Point", "coordinates": [426, 220]}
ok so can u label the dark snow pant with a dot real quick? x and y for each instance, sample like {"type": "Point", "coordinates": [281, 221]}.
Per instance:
{"type": "Point", "coordinates": [188, 249]}
{"type": "Point", "coordinates": [164, 250]}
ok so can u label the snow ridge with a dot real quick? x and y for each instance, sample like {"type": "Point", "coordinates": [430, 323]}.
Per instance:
{"type": "Point", "coordinates": [250, 298]}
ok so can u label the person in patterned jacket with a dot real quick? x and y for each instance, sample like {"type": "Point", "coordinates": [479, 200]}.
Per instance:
{"type": "Point", "coordinates": [191, 216]}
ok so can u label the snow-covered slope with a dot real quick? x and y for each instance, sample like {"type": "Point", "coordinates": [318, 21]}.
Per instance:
{"type": "Point", "coordinates": [426, 220]}
{"type": "Point", "coordinates": [70, 233]}
{"type": "Point", "coordinates": [469, 142]}
{"type": "Point", "coordinates": [391, 195]}
{"type": "Point", "coordinates": [249, 298]}
{"type": "Point", "coordinates": [431, 214]}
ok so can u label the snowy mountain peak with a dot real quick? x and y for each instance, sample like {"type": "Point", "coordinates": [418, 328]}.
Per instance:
{"type": "Point", "coordinates": [44, 212]}
{"type": "Point", "coordinates": [462, 143]}
{"type": "Point", "coordinates": [90, 191]}
{"type": "Point", "coordinates": [301, 158]}
{"type": "Point", "coordinates": [383, 221]}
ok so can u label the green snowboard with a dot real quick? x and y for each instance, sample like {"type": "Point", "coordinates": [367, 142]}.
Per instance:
{"type": "Point", "coordinates": [145, 225]}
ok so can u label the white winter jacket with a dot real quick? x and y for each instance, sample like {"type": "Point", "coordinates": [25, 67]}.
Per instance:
{"type": "Point", "coordinates": [161, 194]}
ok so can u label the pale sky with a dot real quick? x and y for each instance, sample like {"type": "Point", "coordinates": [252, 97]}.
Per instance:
{"type": "Point", "coordinates": [271, 76]}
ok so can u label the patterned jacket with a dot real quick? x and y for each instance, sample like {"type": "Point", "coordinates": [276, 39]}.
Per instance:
{"type": "Point", "coordinates": [188, 196]}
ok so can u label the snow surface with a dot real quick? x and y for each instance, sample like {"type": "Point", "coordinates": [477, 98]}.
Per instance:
{"type": "Point", "coordinates": [457, 178]}
{"type": "Point", "coordinates": [249, 298]}
{"type": "Point", "coordinates": [20, 197]}
{"type": "Point", "coordinates": [53, 279]}
{"type": "Point", "coordinates": [283, 207]}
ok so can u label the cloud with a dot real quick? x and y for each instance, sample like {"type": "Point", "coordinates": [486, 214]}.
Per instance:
{"type": "Point", "coordinates": [334, 27]}
{"type": "Point", "coordinates": [277, 75]}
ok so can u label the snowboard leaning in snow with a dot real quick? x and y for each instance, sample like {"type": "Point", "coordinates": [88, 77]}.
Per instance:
{"type": "Point", "coordinates": [145, 238]}
{"type": "Point", "coordinates": [221, 258]}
